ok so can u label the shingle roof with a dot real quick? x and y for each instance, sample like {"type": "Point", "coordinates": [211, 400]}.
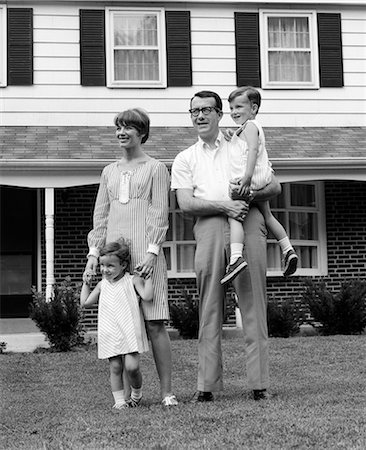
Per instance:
{"type": "Point", "coordinates": [88, 143]}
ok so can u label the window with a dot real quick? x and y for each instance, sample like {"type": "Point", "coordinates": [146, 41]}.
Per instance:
{"type": "Point", "coordinates": [299, 208]}
{"type": "Point", "coordinates": [289, 56]}
{"type": "Point", "coordinates": [180, 245]}
{"type": "Point", "coordinates": [136, 48]}
{"type": "Point", "coordinates": [2, 45]}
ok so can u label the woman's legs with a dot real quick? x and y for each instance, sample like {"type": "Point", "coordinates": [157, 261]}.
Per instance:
{"type": "Point", "coordinates": [160, 343]}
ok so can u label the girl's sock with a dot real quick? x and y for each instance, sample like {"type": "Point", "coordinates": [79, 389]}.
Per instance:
{"type": "Point", "coordinates": [136, 394]}
{"type": "Point", "coordinates": [236, 252]}
{"type": "Point", "coordinates": [285, 245]}
{"type": "Point", "coordinates": [119, 397]}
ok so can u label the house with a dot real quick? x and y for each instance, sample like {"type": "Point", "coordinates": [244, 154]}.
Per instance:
{"type": "Point", "coordinates": [66, 69]}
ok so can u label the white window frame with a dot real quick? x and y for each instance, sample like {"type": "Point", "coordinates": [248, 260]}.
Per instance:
{"type": "Point", "coordinates": [263, 27]}
{"type": "Point", "coordinates": [3, 52]}
{"type": "Point", "coordinates": [320, 243]}
{"type": "Point", "coordinates": [162, 82]}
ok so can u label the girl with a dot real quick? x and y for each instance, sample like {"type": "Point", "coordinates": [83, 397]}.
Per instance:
{"type": "Point", "coordinates": [132, 201]}
{"type": "Point", "coordinates": [251, 170]}
{"type": "Point", "coordinates": [121, 329]}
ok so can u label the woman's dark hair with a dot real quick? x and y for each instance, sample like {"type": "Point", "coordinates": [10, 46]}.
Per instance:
{"type": "Point", "coordinates": [137, 118]}
{"type": "Point", "coordinates": [120, 249]}
{"type": "Point", "coordinates": [209, 94]}
{"type": "Point", "coordinates": [253, 95]}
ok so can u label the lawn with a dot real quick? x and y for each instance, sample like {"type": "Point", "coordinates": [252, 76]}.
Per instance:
{"type": "Point", "coordinates": [63, 401]}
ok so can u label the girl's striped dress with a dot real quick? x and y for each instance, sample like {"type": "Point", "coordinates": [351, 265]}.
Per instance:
{"type": "Point", "coordinates": [134, 205]}
{"type": "Point", "coordinates": [238, 156]}
{"type": "Point", "coordinates": [121, 327]}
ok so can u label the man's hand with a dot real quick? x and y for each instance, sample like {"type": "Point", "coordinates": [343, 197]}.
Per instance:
{"type": "Point", "coordinates": [236, 209]}
{"type": "Point", "coordinates": [228, 134]}
{"type": "Point", "coordinates": [90, 270]}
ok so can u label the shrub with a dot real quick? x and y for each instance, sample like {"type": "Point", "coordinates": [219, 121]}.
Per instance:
{"type": "Point", "coordinates": [339, 313]}
{"type": "Point", "coordinates": [184, 316]}
{"type": "Point", "coordinates": [59, 318]}
{"type": "Point", "coordinates": [282, 318]}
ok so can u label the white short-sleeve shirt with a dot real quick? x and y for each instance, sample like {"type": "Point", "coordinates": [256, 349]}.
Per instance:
{"type": "Point", "coordinates": [204, 170]}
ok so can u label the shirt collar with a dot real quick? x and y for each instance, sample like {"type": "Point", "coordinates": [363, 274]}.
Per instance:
{"type": "Point", "coordinates": [220, 138]}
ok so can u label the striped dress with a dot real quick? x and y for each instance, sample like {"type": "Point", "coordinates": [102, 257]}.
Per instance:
{"type": "Point", "coordinates": [134, 205]}
{"type": "Point", "coordinates": [121, 327]}
{"type": "Point", "coordinates": [238, 156]}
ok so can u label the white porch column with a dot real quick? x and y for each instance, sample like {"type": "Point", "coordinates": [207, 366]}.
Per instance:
{"type": "Point", "coordinates": [49, 233]}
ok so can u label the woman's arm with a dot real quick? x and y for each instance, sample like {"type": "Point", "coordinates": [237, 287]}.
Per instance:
{"type": "Point", "coordinates": [88, 298]}
{"type": "Point", "coordinates": [144, 287]}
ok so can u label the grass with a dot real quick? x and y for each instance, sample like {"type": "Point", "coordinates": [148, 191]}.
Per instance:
{"type": "Point", "coordinates": [63, 401]}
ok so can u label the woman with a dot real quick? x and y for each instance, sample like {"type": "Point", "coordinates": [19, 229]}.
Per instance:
{"type": "Point", "coordinates": [132, 203]}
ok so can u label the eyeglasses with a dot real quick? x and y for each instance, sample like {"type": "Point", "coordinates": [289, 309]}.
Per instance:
{"type": "Point", "coordinates": [195, 112]}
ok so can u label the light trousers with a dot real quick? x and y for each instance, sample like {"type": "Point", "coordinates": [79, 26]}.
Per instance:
{"type": "Point", "coordinates": [212, 236]}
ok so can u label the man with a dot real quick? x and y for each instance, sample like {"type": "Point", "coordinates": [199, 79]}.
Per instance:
{"type": "Point", "coordinates": [200, 177]}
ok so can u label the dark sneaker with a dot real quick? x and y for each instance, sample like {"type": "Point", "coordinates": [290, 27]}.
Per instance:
{"type": "Point", "coordinates": [290, 263]}
{"type": "Point", "coordinates": [131, 403]}
{"type": "Point", "coordinates": [233, 270]}
{"type": "Point", "coordinates": [200, 397]}
{"type": "Point", "coordinates": [262, 394]}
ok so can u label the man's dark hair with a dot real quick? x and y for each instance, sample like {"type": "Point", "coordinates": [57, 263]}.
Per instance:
{"type": "Point", "coordinates": [209, 94]}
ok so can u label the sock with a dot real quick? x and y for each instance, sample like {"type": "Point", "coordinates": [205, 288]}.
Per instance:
{"type": "Point", "coordinates": [236, 251]}
{"type": "Point", "coordinates": [285, 245]}
{"type": "Point", "coordinates": [136, 394]}
{"type": "Point", "coordinates": [119, 397]}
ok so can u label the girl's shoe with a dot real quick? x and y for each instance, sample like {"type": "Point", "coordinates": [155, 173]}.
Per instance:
{"type": "Point", "coordinates": [120, 405]}
{"type": "Point", "coordinates": [131, 403]}
{"type": "Point", "coordinates": [170, 400]}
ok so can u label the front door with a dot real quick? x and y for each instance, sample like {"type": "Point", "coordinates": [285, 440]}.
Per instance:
{"type": "Point", "coordinates": [18, 247]}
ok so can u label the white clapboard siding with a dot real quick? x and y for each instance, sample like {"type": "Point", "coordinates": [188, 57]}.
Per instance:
{"type": "Point", "coordinates": [56, 98]}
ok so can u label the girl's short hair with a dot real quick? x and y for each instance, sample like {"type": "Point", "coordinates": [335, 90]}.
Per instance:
{"type": "Point", "coordinates": [137, 118]}
{"type": "Point", "coordinates": [120, 249]}
{"type": "Point", "coordinates": [253, 95]}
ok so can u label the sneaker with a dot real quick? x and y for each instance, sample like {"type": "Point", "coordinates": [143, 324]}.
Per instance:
{"type": "Point", "coordinates": [201, 397]}
{"type": "Point", "coordinates": [233, 270]}
{"type": "Point", "coordinates": [262, 394]}
{"type": "Point", "coordinates": [169, 400]}
{"type": "Point", "coordinates": [131, 403]}
{"type": "Point", "coordinates": [120, 405]}
{"type": "Point", "coordinates": [290, 263]}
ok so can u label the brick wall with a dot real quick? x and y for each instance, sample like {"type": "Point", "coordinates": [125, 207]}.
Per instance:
{"type": "Point", "coordinates": [346, 235]}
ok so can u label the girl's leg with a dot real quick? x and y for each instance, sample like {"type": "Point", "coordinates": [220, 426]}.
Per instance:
{"type": "Point", "coordinates": [160, 343]}
{"type": "Point", "coordinates": [116, 370]}
{"type": "Point", "coordinates": [273, 225]}
{"type": "Point", "coordinates": [132, 368]}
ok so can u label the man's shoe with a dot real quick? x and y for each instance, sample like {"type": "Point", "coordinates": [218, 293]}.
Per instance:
{"type": "Point", "coordinates": [233, 270]}
{"type": "Point", "coordinates": [262, 394]}
{"type": "Point", "coordinates": [200, 397]}
{"type": "Point", "coordinates": [290, 263]}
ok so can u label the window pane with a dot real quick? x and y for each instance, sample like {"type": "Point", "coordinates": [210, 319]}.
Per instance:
{"type": "Point", "coordinates": [135, 30]}
{"type": "Point", "coordinates": [273, 256]}
{"type": "Point", "coordinates": [302, 195]}
{"type": "Point", "coordinates": [303, 225]}
{"type": "Point", "coordinates": [308, 257]}
{"type": "Point", "coordinates": [185, 257]}
{"type": "Point", "coordinates": [184, 228]}
{"type": "Point", "coordinates": [289, 66]}
{"type": "Point", "coordinates": [169, 234]}
{"type": "Point", "coordinates": [136, 65]}
{"type": "Point", "coordinates": [281, 217]}
{"type": "Point", "coordinates": [15, 274]}
{"type": "Point", "coordinates": [168, 257]}
{"type": "Point", "coordinates": [288, 32]}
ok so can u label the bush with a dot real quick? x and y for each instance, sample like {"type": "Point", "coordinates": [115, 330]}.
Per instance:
{"type": "Point", "coordinates": [185, 317]}
{"type": "Point", "coordinates": [339, 313]}
{"type": "Point", "coordinates": [59, 318]}
{"type": "Point", "coordinates": [283, 319]}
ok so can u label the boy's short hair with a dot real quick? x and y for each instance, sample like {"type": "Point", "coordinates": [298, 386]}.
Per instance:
{"type": "Point", "coordinates": [137, 118]}
{"type": "Point", "coordinates": [252, 93]}
{"type": "Point", "coordinates": [209, 94]}
{"type": "Point", "coordinates": [118, 248]}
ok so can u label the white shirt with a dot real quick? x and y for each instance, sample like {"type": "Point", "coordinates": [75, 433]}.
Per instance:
{"type": "Point", "coordinates": [204, 170]}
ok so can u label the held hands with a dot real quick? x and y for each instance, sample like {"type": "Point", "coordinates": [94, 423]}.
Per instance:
{"type": "Point", "coordinates": [146, 267]}
{"type": "Point", "coordinates": [90, 270]}
{"type": "Point", "coordinates": [239, 191]}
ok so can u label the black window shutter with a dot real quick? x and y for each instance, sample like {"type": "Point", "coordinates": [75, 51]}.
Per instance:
{"type": "Point", "coordinates": [248, 69]}
{"type": "Point", "coordinates": [20, 46]}
{"type": "Point", "coordinates": [330, 50]}
{"type": "Point", "coordinates": [92, 47]}
{"type": "Point", "coordinates": [178, 37]}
